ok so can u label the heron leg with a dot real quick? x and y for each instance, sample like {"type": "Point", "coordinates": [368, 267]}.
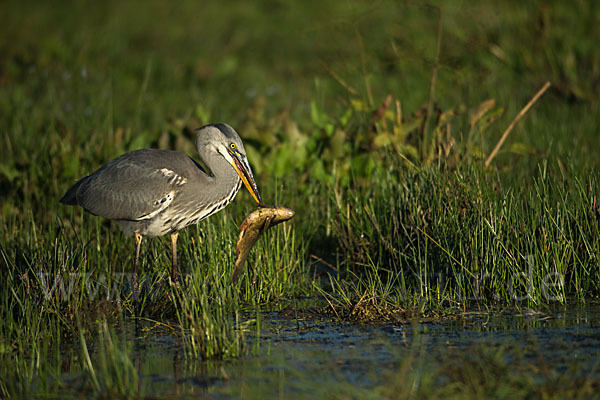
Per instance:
{"type": "Point", "coordinates": [136, 284]}
{"type": "Point", "coordinates": [174, 272]}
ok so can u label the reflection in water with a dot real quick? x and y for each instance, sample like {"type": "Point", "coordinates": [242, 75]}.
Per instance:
{"type": "Point", "coordinates": [302, 356]}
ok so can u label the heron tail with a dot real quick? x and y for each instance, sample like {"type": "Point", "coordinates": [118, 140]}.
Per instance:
{"type": "Point", "coordinates": [70, 198]}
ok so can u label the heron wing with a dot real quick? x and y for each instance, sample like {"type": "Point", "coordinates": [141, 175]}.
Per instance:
{"type": "Point", "coordinates": [135, 186]}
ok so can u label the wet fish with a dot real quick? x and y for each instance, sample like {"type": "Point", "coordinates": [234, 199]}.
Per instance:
{"type": "Point", "coordinates": [252, 228]}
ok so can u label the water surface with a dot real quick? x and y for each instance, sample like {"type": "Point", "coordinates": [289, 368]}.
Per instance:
{"type": "Point", "coordinates": [299, 356]}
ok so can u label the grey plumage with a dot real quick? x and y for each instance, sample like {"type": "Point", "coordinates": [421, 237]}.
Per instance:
{"type": "Point", "coordinates": [144, 187]}
{"type": "Point", "coordinates": [156, 192]}
{"type": "Point", "coordinates": [135, 185]}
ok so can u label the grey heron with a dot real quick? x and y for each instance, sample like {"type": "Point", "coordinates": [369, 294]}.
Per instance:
{"type": "Point", "coordinates": [154, 192]}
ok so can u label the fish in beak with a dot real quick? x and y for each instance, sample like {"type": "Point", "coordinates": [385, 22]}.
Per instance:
{"type": "Point", "coordinates": [241, 166]}
{"type": "Point", "coordinates": [253, 227]}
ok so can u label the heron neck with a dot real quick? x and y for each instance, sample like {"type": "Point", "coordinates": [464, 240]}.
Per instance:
{"type": "Point", "coordinates": [222, 175]}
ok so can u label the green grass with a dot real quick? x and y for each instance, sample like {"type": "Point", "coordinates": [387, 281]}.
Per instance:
{"type": "Point", "coordinates": [447, 241]}
{"type": "Point", "coordinates": [112, 373]}
{"type": "Point", "coordinates": [408, 225]}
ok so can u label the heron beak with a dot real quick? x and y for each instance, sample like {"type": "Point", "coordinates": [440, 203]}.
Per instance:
{"type": "Point", "coordinates": [241, 166]}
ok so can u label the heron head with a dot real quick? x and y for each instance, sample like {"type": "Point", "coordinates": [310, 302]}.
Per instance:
{"type": "Point", "coordinates": [223, 139]}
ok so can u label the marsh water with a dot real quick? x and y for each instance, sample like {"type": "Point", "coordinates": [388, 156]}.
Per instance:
{"type": "Point", "coordinates": [304, 355]}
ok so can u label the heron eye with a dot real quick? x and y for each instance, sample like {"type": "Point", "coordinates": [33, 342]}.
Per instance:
{"type": "Point", "coordinates": [233, 146]}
